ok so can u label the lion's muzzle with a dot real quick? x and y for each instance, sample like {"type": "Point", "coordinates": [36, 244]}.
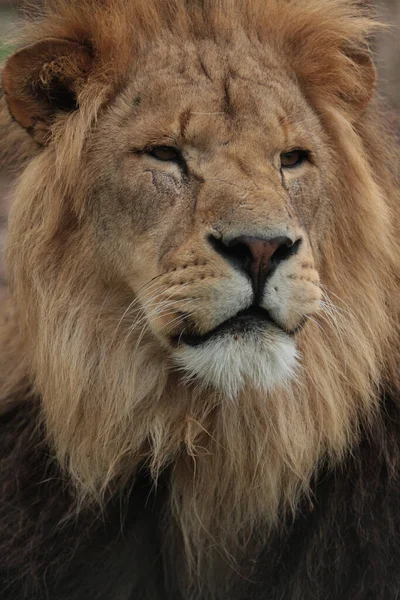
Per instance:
{"type": "Point", "coordinates": [257, 257]}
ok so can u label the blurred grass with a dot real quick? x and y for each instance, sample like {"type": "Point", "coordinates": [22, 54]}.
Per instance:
{"type": "Point", "coordinates": [8, 21]}
{"type": "Point", "coordinates": [5, 51]}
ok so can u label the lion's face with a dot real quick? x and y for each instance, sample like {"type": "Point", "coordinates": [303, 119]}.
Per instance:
{"type": "Point", "coordinates": [207, 184]}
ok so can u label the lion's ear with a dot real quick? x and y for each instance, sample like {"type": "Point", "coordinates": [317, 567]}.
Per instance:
{"type": "Point", "coordinates": [344, 77]}
{"type": "Point", "coordinates": [364, 80]}
{"type": "Point", "coordinates": [44, 79]}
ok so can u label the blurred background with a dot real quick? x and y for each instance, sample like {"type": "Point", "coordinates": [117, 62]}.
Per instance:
{"type": "Point", "coordinates": [387, 51]}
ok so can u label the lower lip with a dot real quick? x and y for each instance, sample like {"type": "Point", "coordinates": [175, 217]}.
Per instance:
{"type": "Point", "coordinates": [251, 320]}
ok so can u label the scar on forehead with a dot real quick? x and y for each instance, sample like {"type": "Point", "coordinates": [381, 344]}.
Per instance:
{"type": "Point", "coordinates": [204, 68]}
{"type": "Point", "coordinates": [184, 120]}
{"type": "Point", "coordinates": [228, 106]}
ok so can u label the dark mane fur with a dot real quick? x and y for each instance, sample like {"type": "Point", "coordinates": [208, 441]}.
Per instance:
{"type": "Point", "coordinates": [344, 544]}
{"type": "Point", "coordinates": [49, 548]}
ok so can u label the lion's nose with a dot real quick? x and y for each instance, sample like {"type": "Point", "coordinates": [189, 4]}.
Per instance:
{"type": "Point", "coordinates": [257, 257]}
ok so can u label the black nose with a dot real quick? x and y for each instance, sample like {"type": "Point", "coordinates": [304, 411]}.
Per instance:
{"type": "Point", "coordinates": [257, 257]}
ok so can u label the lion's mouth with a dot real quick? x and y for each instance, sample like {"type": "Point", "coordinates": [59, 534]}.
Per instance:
{"type": "Point", "coordinates": [250, 320]}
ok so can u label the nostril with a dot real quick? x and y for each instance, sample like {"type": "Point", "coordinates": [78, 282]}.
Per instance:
{"type": "Point", "coordinates": [240, 252]}
{"type": "Point", "coordinates": [234, 251]}
{"type": "Point", "coordinates": [286, 249]}
{"type": "Point", "coordinates": [217, 244]}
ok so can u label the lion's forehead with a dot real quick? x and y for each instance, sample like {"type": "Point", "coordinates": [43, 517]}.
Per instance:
{"type": "Point", "coordinates": [206, 60]}
{"type": "Point", "coordinates": [219, 93]}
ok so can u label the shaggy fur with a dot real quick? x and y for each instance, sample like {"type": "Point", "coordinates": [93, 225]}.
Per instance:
{"type": "Point", "coordinates": [134, 467]}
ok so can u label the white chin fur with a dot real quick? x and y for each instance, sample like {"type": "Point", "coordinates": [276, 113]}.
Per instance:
{"type": "Point", "coordinates": [263, 361]}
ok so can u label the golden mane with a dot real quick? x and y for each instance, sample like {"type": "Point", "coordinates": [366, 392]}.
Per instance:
{"type": "Point", "coordinates": [236, 468]}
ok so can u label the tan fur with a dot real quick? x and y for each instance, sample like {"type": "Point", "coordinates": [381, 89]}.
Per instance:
{"type": "Point", "coordinates": [16, 147]}
{"type": "Point", "coordinates": [105, 255]}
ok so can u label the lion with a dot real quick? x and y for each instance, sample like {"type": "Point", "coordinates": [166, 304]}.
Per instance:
{"type": "Point", "coordinates": [199, 392]}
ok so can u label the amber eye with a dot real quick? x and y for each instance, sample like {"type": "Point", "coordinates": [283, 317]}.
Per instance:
{"type": "Point", "coordinates": [165, 153]}
{"type": "Point", "coordinates": [294, 158]}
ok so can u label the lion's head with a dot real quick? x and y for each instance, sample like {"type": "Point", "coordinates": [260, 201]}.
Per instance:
{"type": "Point", "coordinates": [202, 254]}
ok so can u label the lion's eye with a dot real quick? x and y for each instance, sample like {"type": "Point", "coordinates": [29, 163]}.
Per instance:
{"type": "Point", "coordinates": [165, 153]}
{"type": "Point", "coordinates": [294, 158]}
